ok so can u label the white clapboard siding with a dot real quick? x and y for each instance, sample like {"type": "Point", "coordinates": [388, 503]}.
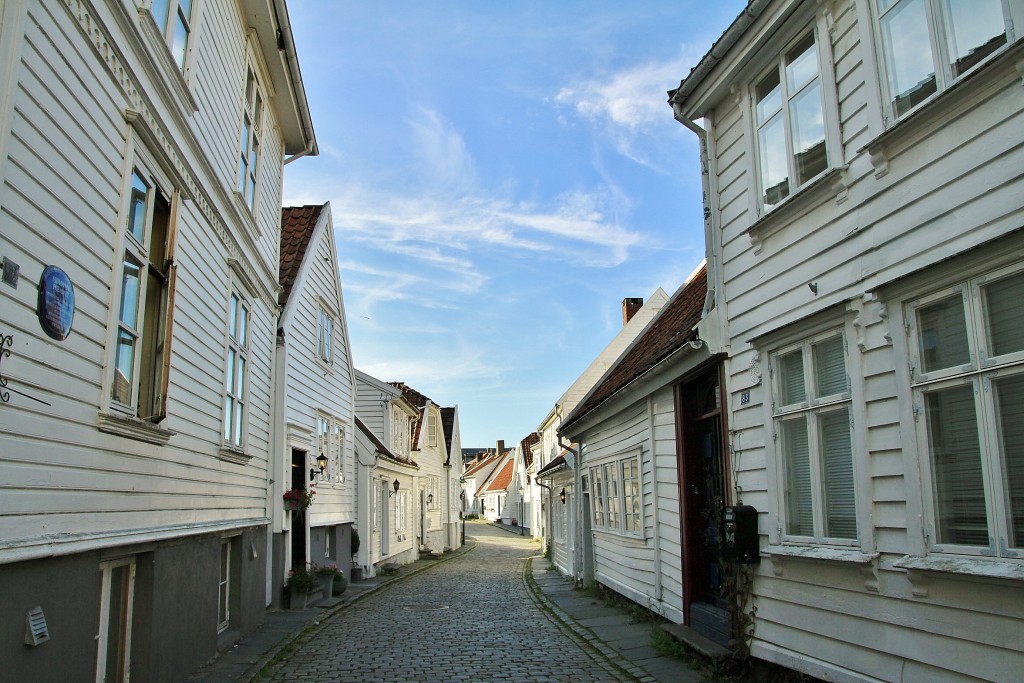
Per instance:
{"type": "Point", "coordinates": [60, 204]}
{"type": "Point", "coordinates": [313, 387]}
{"type": "Point", "coordinates": [943, 186]}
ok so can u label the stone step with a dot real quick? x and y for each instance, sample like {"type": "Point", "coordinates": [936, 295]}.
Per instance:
{"type": "Point", "coordinates": [688, 636]}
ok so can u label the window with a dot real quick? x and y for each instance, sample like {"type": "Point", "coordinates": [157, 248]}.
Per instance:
{"type": "Point", "coordinates": [616, 495]}
{"type": "Point", "coordinates": [330, 443]}
{"type": "Point", "coordinates": [324, 336]}
{"type": "Point", "coordinates": [432, 430]}
{"type": "Point", "coordinates": [967, 373]}
{"type": "Point", "coordinates": [399, 431]}
{"type": "Point", "coordinates": [433, 493]}
{"type": "Point", "coordinates": [141, 359]}
{"type": "Point", "coordinates": [224, 586]}
{"type": "Point", "coordinates": [813, 433]}
{"type": "Point", "coordinates": [237, 366]}
{"type": "Point", "coordinates": [249, 149]}
{"type": "Point", "coordinates": [401, 512]}
{"type": "Point", "coordinates": [790, 122]}
{"type": "Point", "coordinates": [928, 44]}
{"type": "Point", "coordinates": [174, 19]}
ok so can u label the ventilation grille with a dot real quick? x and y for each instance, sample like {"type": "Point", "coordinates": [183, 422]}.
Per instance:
{"type": "Point", "coordinates": [36, 631]}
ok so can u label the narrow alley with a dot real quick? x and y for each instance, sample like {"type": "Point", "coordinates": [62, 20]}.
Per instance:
{"type": "Point", "coordinates": [472, 618]}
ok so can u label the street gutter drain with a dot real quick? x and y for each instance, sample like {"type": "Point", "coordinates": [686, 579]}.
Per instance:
{"type": "Point", "coordinates": [425, 608]}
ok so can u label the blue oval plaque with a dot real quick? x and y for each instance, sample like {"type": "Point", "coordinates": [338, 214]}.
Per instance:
{"type": "Point", "coordinates": [56, 306]}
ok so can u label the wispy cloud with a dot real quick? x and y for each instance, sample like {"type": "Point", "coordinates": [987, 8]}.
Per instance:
{"type": "Point", "coordinates": [628, 104]}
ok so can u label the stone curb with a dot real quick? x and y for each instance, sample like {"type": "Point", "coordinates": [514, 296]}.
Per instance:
{"type": "Point", "coordinates": [263, 667]}
{"type": "Point", "coordinates": [612, 657]}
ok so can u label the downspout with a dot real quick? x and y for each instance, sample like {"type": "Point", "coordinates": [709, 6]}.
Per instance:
{"type": "Point", "coordinates": [547, 524]}
{"type": "Point", "coordinates": [705, 180]}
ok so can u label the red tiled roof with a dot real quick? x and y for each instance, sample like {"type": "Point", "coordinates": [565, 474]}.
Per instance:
{"type": "Point", "coordinates": [411, 395]}
{"type": "Point", "coordinates": [297, 223]}
{"type": "Point", "coordinates": [503, 478]}
{"type": "Point", "coordinates": [526, 445]}
{"type": "Point", "coordinates": [489, 459]}
{"type": "Point", "coordinates": [667, 333]}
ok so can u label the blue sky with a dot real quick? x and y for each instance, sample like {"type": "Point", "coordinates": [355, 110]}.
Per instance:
{"type": "Point", "coordinates": [501, 176]}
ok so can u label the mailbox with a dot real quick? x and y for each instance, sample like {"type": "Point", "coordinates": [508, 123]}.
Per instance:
{"type": "Point", "coordinates": [739, 534]}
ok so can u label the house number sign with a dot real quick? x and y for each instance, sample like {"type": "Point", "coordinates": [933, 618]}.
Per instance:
{"type": "Point", "coordinates": [56, 305]}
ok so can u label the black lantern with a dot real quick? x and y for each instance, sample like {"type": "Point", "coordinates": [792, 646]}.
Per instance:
{"type": "Point", "coordinates": [321, 462]}
{"type": "Point", "coordinates": [395, 485]}
{"type": "Point", "coordinates": [561, 496]}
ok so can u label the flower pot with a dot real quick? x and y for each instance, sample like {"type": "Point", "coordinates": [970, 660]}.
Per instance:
{"type": "Point", "coordinates": [297, 600]}
{"type": "Point", "coordinates": [291, 505]}
{"type": "Point", "coordinates": [325, 584]}
{"type": "Point", "coordinates": [340, 584]}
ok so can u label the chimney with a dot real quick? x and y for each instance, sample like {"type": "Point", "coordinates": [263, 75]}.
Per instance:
{"type": "Point", "coordinates": [500, 448]}
{"type": "Point", "coordinates": [630, 306]}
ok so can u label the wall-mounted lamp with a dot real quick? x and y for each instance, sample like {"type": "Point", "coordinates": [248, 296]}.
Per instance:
{"type": "Point", "coordinates": [321, 462]}
{"type": "Point", "coordinates": [561, 496]}
{"type": "Point", "coordinates": [395, 485]}
{"type": "Point", "coordinates": [430, 498]}
{"type": "Point", "coordinates": [462, 496]}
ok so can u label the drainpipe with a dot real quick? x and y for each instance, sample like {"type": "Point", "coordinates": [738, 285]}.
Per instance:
{"type": "Point", "coordinates": [577, 560]}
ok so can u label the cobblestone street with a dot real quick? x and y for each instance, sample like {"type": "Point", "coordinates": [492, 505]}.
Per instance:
{"type": "Point", "coordinates": [468, 619]}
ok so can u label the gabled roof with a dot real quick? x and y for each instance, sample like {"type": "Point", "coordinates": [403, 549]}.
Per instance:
{"type": "Point", "coordinates": [502, 479]}
{"type": "Point", "coordinates": [382, 450]}
{"type": "Point", "coordinates": [526, 446]}
{"type": "Point", "coordinates": [555, 465]}
{"type": "Point", "coordinates": [669, 332]}
{"type": "Point", "coordinates": [474, 468]}
{"type": "Point", "coordinates": [411, 395]}
{"type": "Point", "coordinates": [297, 225]}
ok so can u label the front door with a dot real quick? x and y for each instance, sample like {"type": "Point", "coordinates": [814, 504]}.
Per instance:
{"type": "Point", "coordinates": [703, 486]}
{"type": "Point", "coordinates": [298, 527]}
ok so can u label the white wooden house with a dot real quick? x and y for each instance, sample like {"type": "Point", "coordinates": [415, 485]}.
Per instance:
{"type": "Point", "coordinates": [476, 474]}
{"type": "Point", "coordinates": [636, 314]}
{"type": "Point", "coordinates": [865, 203]}
{"type": "Point", "coordinates": [428, 449]}
{"type": "Point", "coordinates": [493, 491]}
{"type": "Point", "coordinates": [452, 494]}
{"type": "Point", "coordinates": [522, 498]}
{"type": "Point", "coordinates": [142, 148]}
{"type": "Point", "coordinates": [388, 476]}
{"type": "Point", "coordinates": [652, 416]}
{"type": "Point", "coordinates": [314, 426]}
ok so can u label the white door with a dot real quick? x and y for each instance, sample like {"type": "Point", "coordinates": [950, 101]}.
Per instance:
{"type": "Point", "coordinates": [117, 593]}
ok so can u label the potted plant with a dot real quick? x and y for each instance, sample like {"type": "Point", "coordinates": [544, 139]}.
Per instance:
{"type": "Point", "coordinates": [298, 499]}
{"type": "Point", "coordinates": [340, 583]}
{"type": "Point", "coordinates": [300, 583]}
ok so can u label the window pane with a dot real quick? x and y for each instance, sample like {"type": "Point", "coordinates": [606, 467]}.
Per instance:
{"type": "Point", "coordinates": [837, 474]}
{"type": "Point", "coordinates": [238, 424]}
{"type": "Point", "coordinates": [908, 55]}
{"type": "Point", "coordinates": [124, 368]}
{"type": "Point", "coordinates": [137, 207]}
{"type": "Point", "coordinates": [801, 63]}
{"type": "Point", "coordinates": [229, 380]}
{"type": "Point", "coordinates": [239, 378]}
{"type": "Point", "coordinates": [1004, 315]}
{"type": "Point", "coordinates": [830, 367]}
{"type": "Point", "coordinates": [807, 130]}
{"type": "Point", "coordinates": [179, 42]}
{"type": "Point", "coordinates": [243, 326]}
{"type": "Point", "coordinates": [129, 314]}
{"type": "Point", "coordinates": [159, 11]}
{"type": "Point", "coordinates": [791, 378]}
{"type": "Point", "coordinates": [229, 412]}
{"type": "Point", "coordinates": [796, 456]}
{"type": "Point", "coordinates": [943, 334]}
{"type": "Point", "coordinates": [611, 472]}
{"type": "Point", "coordinates": [956, 464]}
{"type": "Point", "coordinates": [597, 494]}
{"type": "Point", "coordinates": [1009, 395]}
{"type": "Point", "coordinates": [771, 141]}
{"type": "Point", "coordinates": [769, 96]}
{"type": "Point", "coordinates": [974, 30]}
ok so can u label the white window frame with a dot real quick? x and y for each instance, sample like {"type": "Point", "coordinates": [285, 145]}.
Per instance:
{"type": "Point", "coordinates": [979, 373]}
{"type": "Point", "coordinates": [1013, 12]}
{"type": "Point", "coordinates": [607, 506]}
{"type": "Point", "coordinates": [325, 335]}
{"type": "Point", "coordinates": [224, 585]}
{"type": "Point", "coordinates": [432, 429]}
{"type": "Point", "coordinates": [168, 15]}
{"type": "Point", "coordinates": [829, 106]}
{"type": "Point", "coordinates": [433, 490]}
{"type": "Point", "coordinates": [236, 389]}
{"type": "Point", "coordinates": [811, 409]}
{"type": "Point", "coordinates": [330, 441]}
{"type": "Point", "coordinates": [401, 514]}
{"type": "Point", "coordinates": [250, 127]}
{"type": "Point", "coordinates": [102, 641]}
{"type": "Point", "coordinates": [140, 251]}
